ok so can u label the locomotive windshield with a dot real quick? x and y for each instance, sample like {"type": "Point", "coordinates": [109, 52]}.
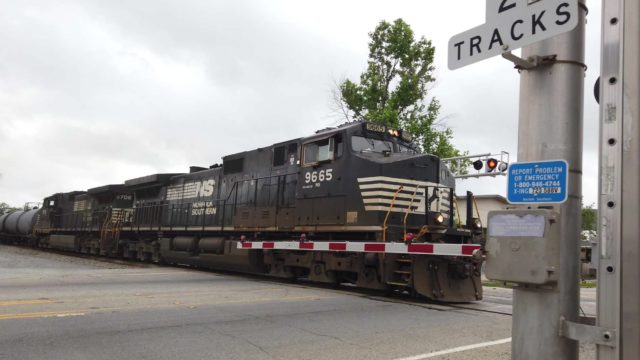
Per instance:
{"type": "Point", "coordinates": [406, 149]}
{"type": "Point", "coordinates": [360, 143]}
{"type": "Point", "coordinates": [367, 144]}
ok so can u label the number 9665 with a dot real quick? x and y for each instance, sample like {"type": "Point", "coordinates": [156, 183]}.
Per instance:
{"type": "Point", "coordinates": [318, 176]}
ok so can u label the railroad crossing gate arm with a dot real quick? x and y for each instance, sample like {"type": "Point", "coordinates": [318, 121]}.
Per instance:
{"type": "Point", "coordinates": [367, 247]}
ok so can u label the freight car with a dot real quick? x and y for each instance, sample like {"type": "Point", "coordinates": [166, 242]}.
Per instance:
{"type": "Point", "coordinates": [18, 225]}
{"type": "Point", "coordinates": [357, 203]}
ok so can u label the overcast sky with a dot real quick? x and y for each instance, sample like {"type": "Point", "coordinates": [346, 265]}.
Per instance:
{"type": "Point", "coordinates": [97, 92]}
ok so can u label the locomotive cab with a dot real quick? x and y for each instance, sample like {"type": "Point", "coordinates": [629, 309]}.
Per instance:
{"type": "Point", "coordinates": [401, 191]}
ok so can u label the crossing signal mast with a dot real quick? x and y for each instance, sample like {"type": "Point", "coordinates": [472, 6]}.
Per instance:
{"type": "Point", "coordinates": [475, 166]}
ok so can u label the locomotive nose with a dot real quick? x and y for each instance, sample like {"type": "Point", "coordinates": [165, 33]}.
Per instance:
{"type": "Point", "coordinates": [416, 167]}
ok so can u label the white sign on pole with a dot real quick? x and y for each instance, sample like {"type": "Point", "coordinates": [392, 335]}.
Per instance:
{"type": "Point", "coordinates": [512, 24]}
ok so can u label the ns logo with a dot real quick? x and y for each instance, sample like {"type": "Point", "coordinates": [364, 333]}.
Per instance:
{"type": "Point", "coordinates": [204, 187]}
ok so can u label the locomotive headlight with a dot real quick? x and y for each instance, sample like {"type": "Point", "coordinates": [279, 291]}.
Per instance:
{"type": "Point", "coordinates": [438, 218]}
{"type": "Point", "coordinates": [476, 224]}
{"type": "Point", "coordinates": [393, 132]}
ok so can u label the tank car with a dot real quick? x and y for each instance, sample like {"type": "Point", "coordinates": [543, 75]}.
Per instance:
{"type": "Point", "coordinates": [357, 203]}
{"type": "Point", "coordinates": [17, 226]}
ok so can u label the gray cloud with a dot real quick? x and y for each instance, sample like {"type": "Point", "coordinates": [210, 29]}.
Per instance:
{"type": "Point", "coordinates": [95, 92]}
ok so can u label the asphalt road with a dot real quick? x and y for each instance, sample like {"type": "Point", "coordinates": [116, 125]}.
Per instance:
{"type": "Point", "coordinates": [55, 306]}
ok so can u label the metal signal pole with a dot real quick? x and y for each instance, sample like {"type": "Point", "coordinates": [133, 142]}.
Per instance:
{"type": "Point", "coordinates": [619, 187]}
{"type": "Point", "coordinates": [550, 128]}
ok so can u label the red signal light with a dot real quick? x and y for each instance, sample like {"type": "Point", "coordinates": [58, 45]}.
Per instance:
{"type": "Point", "coordinates": [491, 164]}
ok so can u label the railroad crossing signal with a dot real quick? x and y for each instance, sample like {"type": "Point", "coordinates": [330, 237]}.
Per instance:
{"type": "Point", "coordinates": [494, 165]}
{"type": "Point", "coordinates": [491, 164]}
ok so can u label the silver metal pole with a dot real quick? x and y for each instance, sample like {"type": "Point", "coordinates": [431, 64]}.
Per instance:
{"type": "Point", "coordinates": [630, 141]}
{"type": "Point", "coordinates": [619, 187]}
{"type": "Point", "coordinates": [550, 128]}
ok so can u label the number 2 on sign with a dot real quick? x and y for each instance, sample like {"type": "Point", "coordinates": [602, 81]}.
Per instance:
{"type": "Point", "coordinates": [318, 176]}
{"type": "Point", "coordinates": [504, 6]}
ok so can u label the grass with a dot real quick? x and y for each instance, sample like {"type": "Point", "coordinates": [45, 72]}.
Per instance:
{"type": "Point", "coordinates": [495, 284]}
{"type": "Point", "coordinates": [588, 284]}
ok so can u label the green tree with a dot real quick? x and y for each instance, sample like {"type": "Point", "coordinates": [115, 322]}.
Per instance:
{"type": "Point", "coordinates": [393, 89]}
{"type": "Point", "coordinates": [589, 218]}
{"type": "Point", "coordinates": [589, 221]}
{"type": "Point", "coordinates": [6, 208]}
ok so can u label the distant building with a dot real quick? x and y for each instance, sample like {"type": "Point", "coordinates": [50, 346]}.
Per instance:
{"type": "Point", "coordinates": [485, 203]}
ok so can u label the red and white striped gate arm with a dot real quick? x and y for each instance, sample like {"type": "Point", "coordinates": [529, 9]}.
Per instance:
{"type": "Point", "coordinates": [374, 247]}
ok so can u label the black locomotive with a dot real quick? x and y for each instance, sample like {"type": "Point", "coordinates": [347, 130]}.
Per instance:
{"type": "Point", "coordinates": [357, 183]}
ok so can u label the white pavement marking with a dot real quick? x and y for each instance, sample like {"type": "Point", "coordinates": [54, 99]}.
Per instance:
{"type": "Point", "coordinates": [457, 349]}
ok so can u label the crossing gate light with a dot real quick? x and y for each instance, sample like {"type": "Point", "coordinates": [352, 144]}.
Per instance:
{"type": "Point", "coordinates": [478, 164]}
{"type": "Point", "coordinates": [491, 164]}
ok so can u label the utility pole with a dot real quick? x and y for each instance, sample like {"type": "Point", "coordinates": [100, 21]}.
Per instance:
{"type": "Point", "coordinates": [535, 245]}
{"type": "Point", "coordinates": [618, 311]}
{"type": "Point", "coordinates": [550, 128]}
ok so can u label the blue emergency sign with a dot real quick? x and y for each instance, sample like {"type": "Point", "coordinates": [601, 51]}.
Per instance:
{"type": "Point", "coordinates": [537, 182]}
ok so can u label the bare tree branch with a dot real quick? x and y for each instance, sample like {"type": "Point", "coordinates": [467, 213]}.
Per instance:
{"type": "Point", "coordinates": [336, 104]}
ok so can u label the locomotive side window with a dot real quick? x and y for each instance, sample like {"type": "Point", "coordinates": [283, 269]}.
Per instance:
{"type": "Point", "coordinates": [318, 151]}
{"type": "Point", "coordinates": [323, 150]}
{"type": "Point", "coordinates": [285, 154]}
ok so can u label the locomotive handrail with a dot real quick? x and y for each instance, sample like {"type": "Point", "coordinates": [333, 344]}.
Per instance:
{"type": "Point", "coordinates": [475, 204]}
{"type": "Point", "coordinates": [457, 211]}
{"type": "Point", "coordinates": [257, 178]}
{"type": "Point", "coordinates": [451, 210]}
{"type": "Point", "coordinates": [103, 229]}
{"type": "Point", "coordinates": [189, 208]}
{"type": "Point", "coordinates": [84, 220]}
{"type": "Point", "coordinates": [386, 218]}
{"type": "Point", "coordinates": [151, 215]}
{"type": "Point", "coordinates": [116, 233]}
{"type": "Point", "coordinates": [408, 211]}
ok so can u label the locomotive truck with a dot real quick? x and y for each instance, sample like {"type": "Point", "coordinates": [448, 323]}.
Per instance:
{"type": "Point", "coordinates": [357, 204]}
